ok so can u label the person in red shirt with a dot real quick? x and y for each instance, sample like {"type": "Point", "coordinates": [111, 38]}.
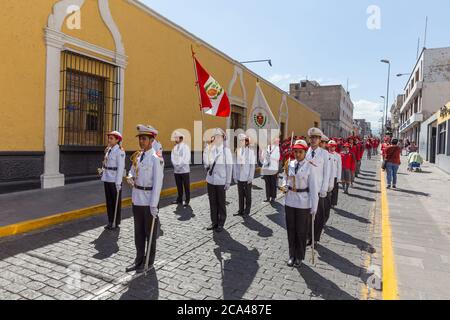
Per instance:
{"type": "Point", "coordinates": [369, 147]}
{"type": "Point", "coordinates": [353, 150]}
{"type": "Point", "coordinates": [386, 144]}
{"type": "Point", "coordinates": [360, 154]}
{"type": "Point", "coordinates": [348, 165]}
{"type": "Point", "coordinates": [392, 158]}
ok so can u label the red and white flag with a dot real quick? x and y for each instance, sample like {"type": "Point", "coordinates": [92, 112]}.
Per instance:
{"type": "Point", "coordinates": [214, 99]}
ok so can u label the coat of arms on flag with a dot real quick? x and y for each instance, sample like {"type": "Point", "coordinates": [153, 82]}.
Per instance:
{"type": "Point", "coordinates": [214, 100]}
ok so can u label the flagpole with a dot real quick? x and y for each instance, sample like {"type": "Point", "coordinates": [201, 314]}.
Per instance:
{"type": "Point", "coordinates": [197, 85]}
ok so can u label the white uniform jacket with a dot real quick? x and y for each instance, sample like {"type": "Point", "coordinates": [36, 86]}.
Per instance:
{"type": "Point", "coordinates": [336, 168]}
{"type": "Point", "coordinates": [181, 158]}
{"type": "Point", "coordinates": [218, 162]}
{"type": "Point", "coordinates": [149, 173]}
{"type": "Point", "coordinates": [244, 165]}
{"type": "Point", "coordinates": [305, 179]}
{"type": "Point", "coordinates": [114, 165]}
{"type": "Point", "coordinates": [321, 166]}
{"type": "Point", "coordinates": [270, 159]}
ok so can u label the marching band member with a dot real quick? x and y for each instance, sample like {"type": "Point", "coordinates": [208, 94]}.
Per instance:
{"type": "Point", "coordinates": [270, 159]}
{"type": "Point", "coordinates": [324, 146]}
{"type": "Point", "coordinates": [112, 173]}
{"type": "Point", "coordinates": [181, 159]}
{"type": "Point", "coordinates": [302, 197]}
{"type": "Point", "coordinates": [146, 179]}
{"type": "Point", "coordinates": [348, 163]}
{"type": "Point", "coordinates": [319, 159]}
{"type": "Point", "coordinates": [336, 172]}
{"type": "Point", "coordinates": [218, 162]}
{"type": "Point", "coordinates": [244, 173]}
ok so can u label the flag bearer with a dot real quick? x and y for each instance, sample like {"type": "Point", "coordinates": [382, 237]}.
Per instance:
{"type": "Point", "coordinates": [244, 173]}
{"type": "Point", "coordinates": [348, 163]}
{"type": "Point", "coordinates": [181, 159]}
{"type": "Point", "coordinates": [336, 172]}
{"type": "Point", "coordinates": [270, 159]}
{"type": "Point", "coordinates": [218, 162]}
{"type": "Point", "coordinates": [112, 173]}
{"type": "Point", "coordinates": [302, 197]}
{"type": "Point", "coordinates": [319, 159]}
{"type": "Point", "coordinates": [146, 178]}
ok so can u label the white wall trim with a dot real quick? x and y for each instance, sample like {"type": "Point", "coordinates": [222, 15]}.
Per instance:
{"type": "Point", "coordinates": [284, 114]}
{"type": "Point", "coordinates": [55, 41]}
{"type": "Point", "coordinates": [240, 101]}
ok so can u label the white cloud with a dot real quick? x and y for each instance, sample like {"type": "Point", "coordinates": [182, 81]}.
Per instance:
{"type": "Point", "coordinates": [283, 80]}
{"type": "Point", "coordinates": [371, 111]}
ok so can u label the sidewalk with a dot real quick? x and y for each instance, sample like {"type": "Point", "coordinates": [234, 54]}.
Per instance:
{"type": "Point", "coordinates": [420, 224]}
{"type": "Point", "coordinates": [37, 204]}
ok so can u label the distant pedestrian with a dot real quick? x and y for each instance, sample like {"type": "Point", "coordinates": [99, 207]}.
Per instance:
{"type": "Point", "coordinates": [348, 163]}
{"type": "Point", "coordinates": [270, 159]}
{"type": "Point", "coordinates": [181, 159]}
{"type": "Point", "coordinates": [392, 159]}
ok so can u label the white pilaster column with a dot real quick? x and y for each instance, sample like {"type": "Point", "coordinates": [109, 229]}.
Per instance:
{"type": "Point", "coordinates": [52, 178]}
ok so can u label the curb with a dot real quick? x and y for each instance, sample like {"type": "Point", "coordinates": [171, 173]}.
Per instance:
{"type": "Point", "coordinates": [41, 223]}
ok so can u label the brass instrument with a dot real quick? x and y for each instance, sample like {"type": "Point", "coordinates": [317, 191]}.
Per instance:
{"type": "Point", "coordinates": [134, 162]}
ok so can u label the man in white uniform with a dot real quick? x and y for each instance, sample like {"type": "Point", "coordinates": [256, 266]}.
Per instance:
{"type": "Point", "coordinates": [112, 173]}
{"type": "Point", "coordinates": [218, 163]}
{"type": "Point", "coordinates": [336, 172]}
{"type": "Point", "coordinates": [319, 159]}
{"type": "Point", "coordinates": [270, 159]}
{"type": "Point", "coordinates": [181, 160]}
{"type": "Point", "coordinates": [244, 173]}
{"type": "Point", "coordinates": [146, 178]}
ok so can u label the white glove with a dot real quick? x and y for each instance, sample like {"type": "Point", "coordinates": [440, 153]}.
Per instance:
{"type": "Point", "coordinates": [227, 187]}
{"type": "Point", "coordinates": [130, 181]}
{"type": "Point", "coordinates": [154, 211]}
{"type": "Point", "coordinates": [118, 187]}
{"type": "Point", "coordinates": [313, 213]}
{"type": "Point", "coordinates": [330, 189]}
{"type": "Point", "coordinates": [250, 181]}
{"type": "Point", "coordinates": [323, 194]}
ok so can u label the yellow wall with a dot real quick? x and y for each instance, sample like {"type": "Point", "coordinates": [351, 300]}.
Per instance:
{"type": "Point", "coordinates": [159, 79]}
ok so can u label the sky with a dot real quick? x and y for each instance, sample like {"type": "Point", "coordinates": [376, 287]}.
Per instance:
{"type": "Point", "coordinates": [330, 41]}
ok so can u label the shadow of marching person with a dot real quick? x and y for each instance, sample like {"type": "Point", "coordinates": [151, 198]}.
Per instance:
{"type": "Point", "coordinates": [142, 287]}
{"type": "Point", "coordinates": [345, 237]}
{"type": "Point", "coordinates": [279, 217]}
{"type": "Point", "coordinates": [254, 225]}
{"type": "Point", "coordinates": [322, 287]}
{"type": "Point", "coordinates": [184, 213]}
{"type": "Point", "coordinates": [106, 244]}
{"type": "Point", "coordinates": [239, 271]}
{"type": "Point", "coordinates": [340, 263]}
{"type": "Point", "coordinates": [350, 215]}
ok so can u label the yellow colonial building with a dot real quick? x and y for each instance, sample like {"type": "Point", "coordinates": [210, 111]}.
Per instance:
{"type": "Point", "coordinates": [73, 70]}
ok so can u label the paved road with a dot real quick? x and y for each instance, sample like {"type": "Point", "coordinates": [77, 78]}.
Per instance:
{"type": "Point", "coordinates": [79, 260]}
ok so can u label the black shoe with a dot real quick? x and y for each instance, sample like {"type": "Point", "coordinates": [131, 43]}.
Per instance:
{"type": "Point", "coordinates": [131, 268]}
{"type": "Point", "coordinates": [140, 269]}
{"type": "Point", "coordinates": [394, 187]}
{"type": "Point", "coordinates": [109, 227]}
{"type": "Point", "coordinates": [177, 202]}
{"type": "Point", "coordinates": [297, 263]}
{"type": "Point", "coordinates": [219, 229]}
{"type": "Point", "coordinates": [309, 243]}
{"type": "Point", "coordinates": [388, 186]}
{"type": "Point", "coordinates": [239, 214]}
{"type": "Point", "coordinates": [186, 204]}
{"type": "Point", "coordinates": [211, 227]}
{"type": "Point", "coordinates": [291, 262]}
{"type": "Point", "coordinates": [266, 201]}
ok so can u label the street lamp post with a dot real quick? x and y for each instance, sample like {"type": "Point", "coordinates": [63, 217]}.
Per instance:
{"type": "Point", "coordinates": [257, 61]}
{"type": "Point", "coordinates": [384, 108]}
{"type": "Point", "coordinates": [388, 83]}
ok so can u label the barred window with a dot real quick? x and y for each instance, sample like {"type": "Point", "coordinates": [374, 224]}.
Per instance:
{"type": "Point", "coordinates": [89, 100]}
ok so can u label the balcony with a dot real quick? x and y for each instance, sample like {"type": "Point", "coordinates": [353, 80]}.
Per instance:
{"type": "Point", "coordinates": [416, 118]}
{"type": "Point", "coordinates": [412, 95]}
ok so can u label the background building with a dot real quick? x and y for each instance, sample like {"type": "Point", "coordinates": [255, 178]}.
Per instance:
{"type": "Point", "coordinates": [365, 128]}
{"type": "Point", "coordinates": [65, 85]}
{"type": "Point", "coordinates": [426, 91]}
{"type": "Point", "coordinates": [332, 102]}
{"type": "Point", "coordinates": [395, 115]}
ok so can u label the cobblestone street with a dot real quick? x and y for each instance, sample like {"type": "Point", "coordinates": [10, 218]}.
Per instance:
{"type": "Point", "coordinates": [79, 260]}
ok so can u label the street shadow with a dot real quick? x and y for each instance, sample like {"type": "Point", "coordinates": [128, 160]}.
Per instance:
{"type": "Point", "coordinates": [352, 195]}
{"type": "Point", "coordinates": [143, 288]}
{"type": "Point", "coordinates": [414, 193]}
{"type": "Point", "coordinates": [322, 287]}
{"type": "Point", "coordinates": [370, 175]}
{"type": "Point", "coordinates": [340, 263]}
{"type": "Point", "coordinates": [255, 187]}
{"type": "Point", "coordinates": [369, 179]}
{"type": "Point", "coordinates": [365, 184]}
{"type": "Point", "coordinates": [279, 216]}
{"type": "Point", "coordinates": [255, 225]}
{"type": "Point", "coordinates": [367, 190]}
{"type": "Point", "coordinates": [368, 172]}
{"type": "Point", "coordinates": [185, 214]}
{"type": "Point", "coordinates": [350, 215]}
{"type": "Point", "coordinates": [239, 271]}
{"type": "Point", "coordinates": [345, 237]}
{"type": "Point", "coordinates": [106, 244]}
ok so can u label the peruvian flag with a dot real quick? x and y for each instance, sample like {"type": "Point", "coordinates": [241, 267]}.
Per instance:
{"type": "Point", "coordinates": [214, 99]}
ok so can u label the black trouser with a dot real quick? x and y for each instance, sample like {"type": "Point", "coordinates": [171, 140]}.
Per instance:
{"type": "Point", "coordinates": [327, 207]}
{"type": "Point", "coordinates": [218, 208]}
{"type": "Point", "coordinates": [319, 222]}
{"type": "Point", "coordinates": [111, 196]}
{"type": "Point", "coordinates": [245, 197]}
{"type": "Point", "coordinates": [335, 193]}
{"type": "Point", "coordinates": [271, 186]}
{"type": "Point", "coordinates": [143, 220]}
{"type": "Point", "coordinates": [298, 223]}
{"type": "Point", "coordinates": [183, 181]}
